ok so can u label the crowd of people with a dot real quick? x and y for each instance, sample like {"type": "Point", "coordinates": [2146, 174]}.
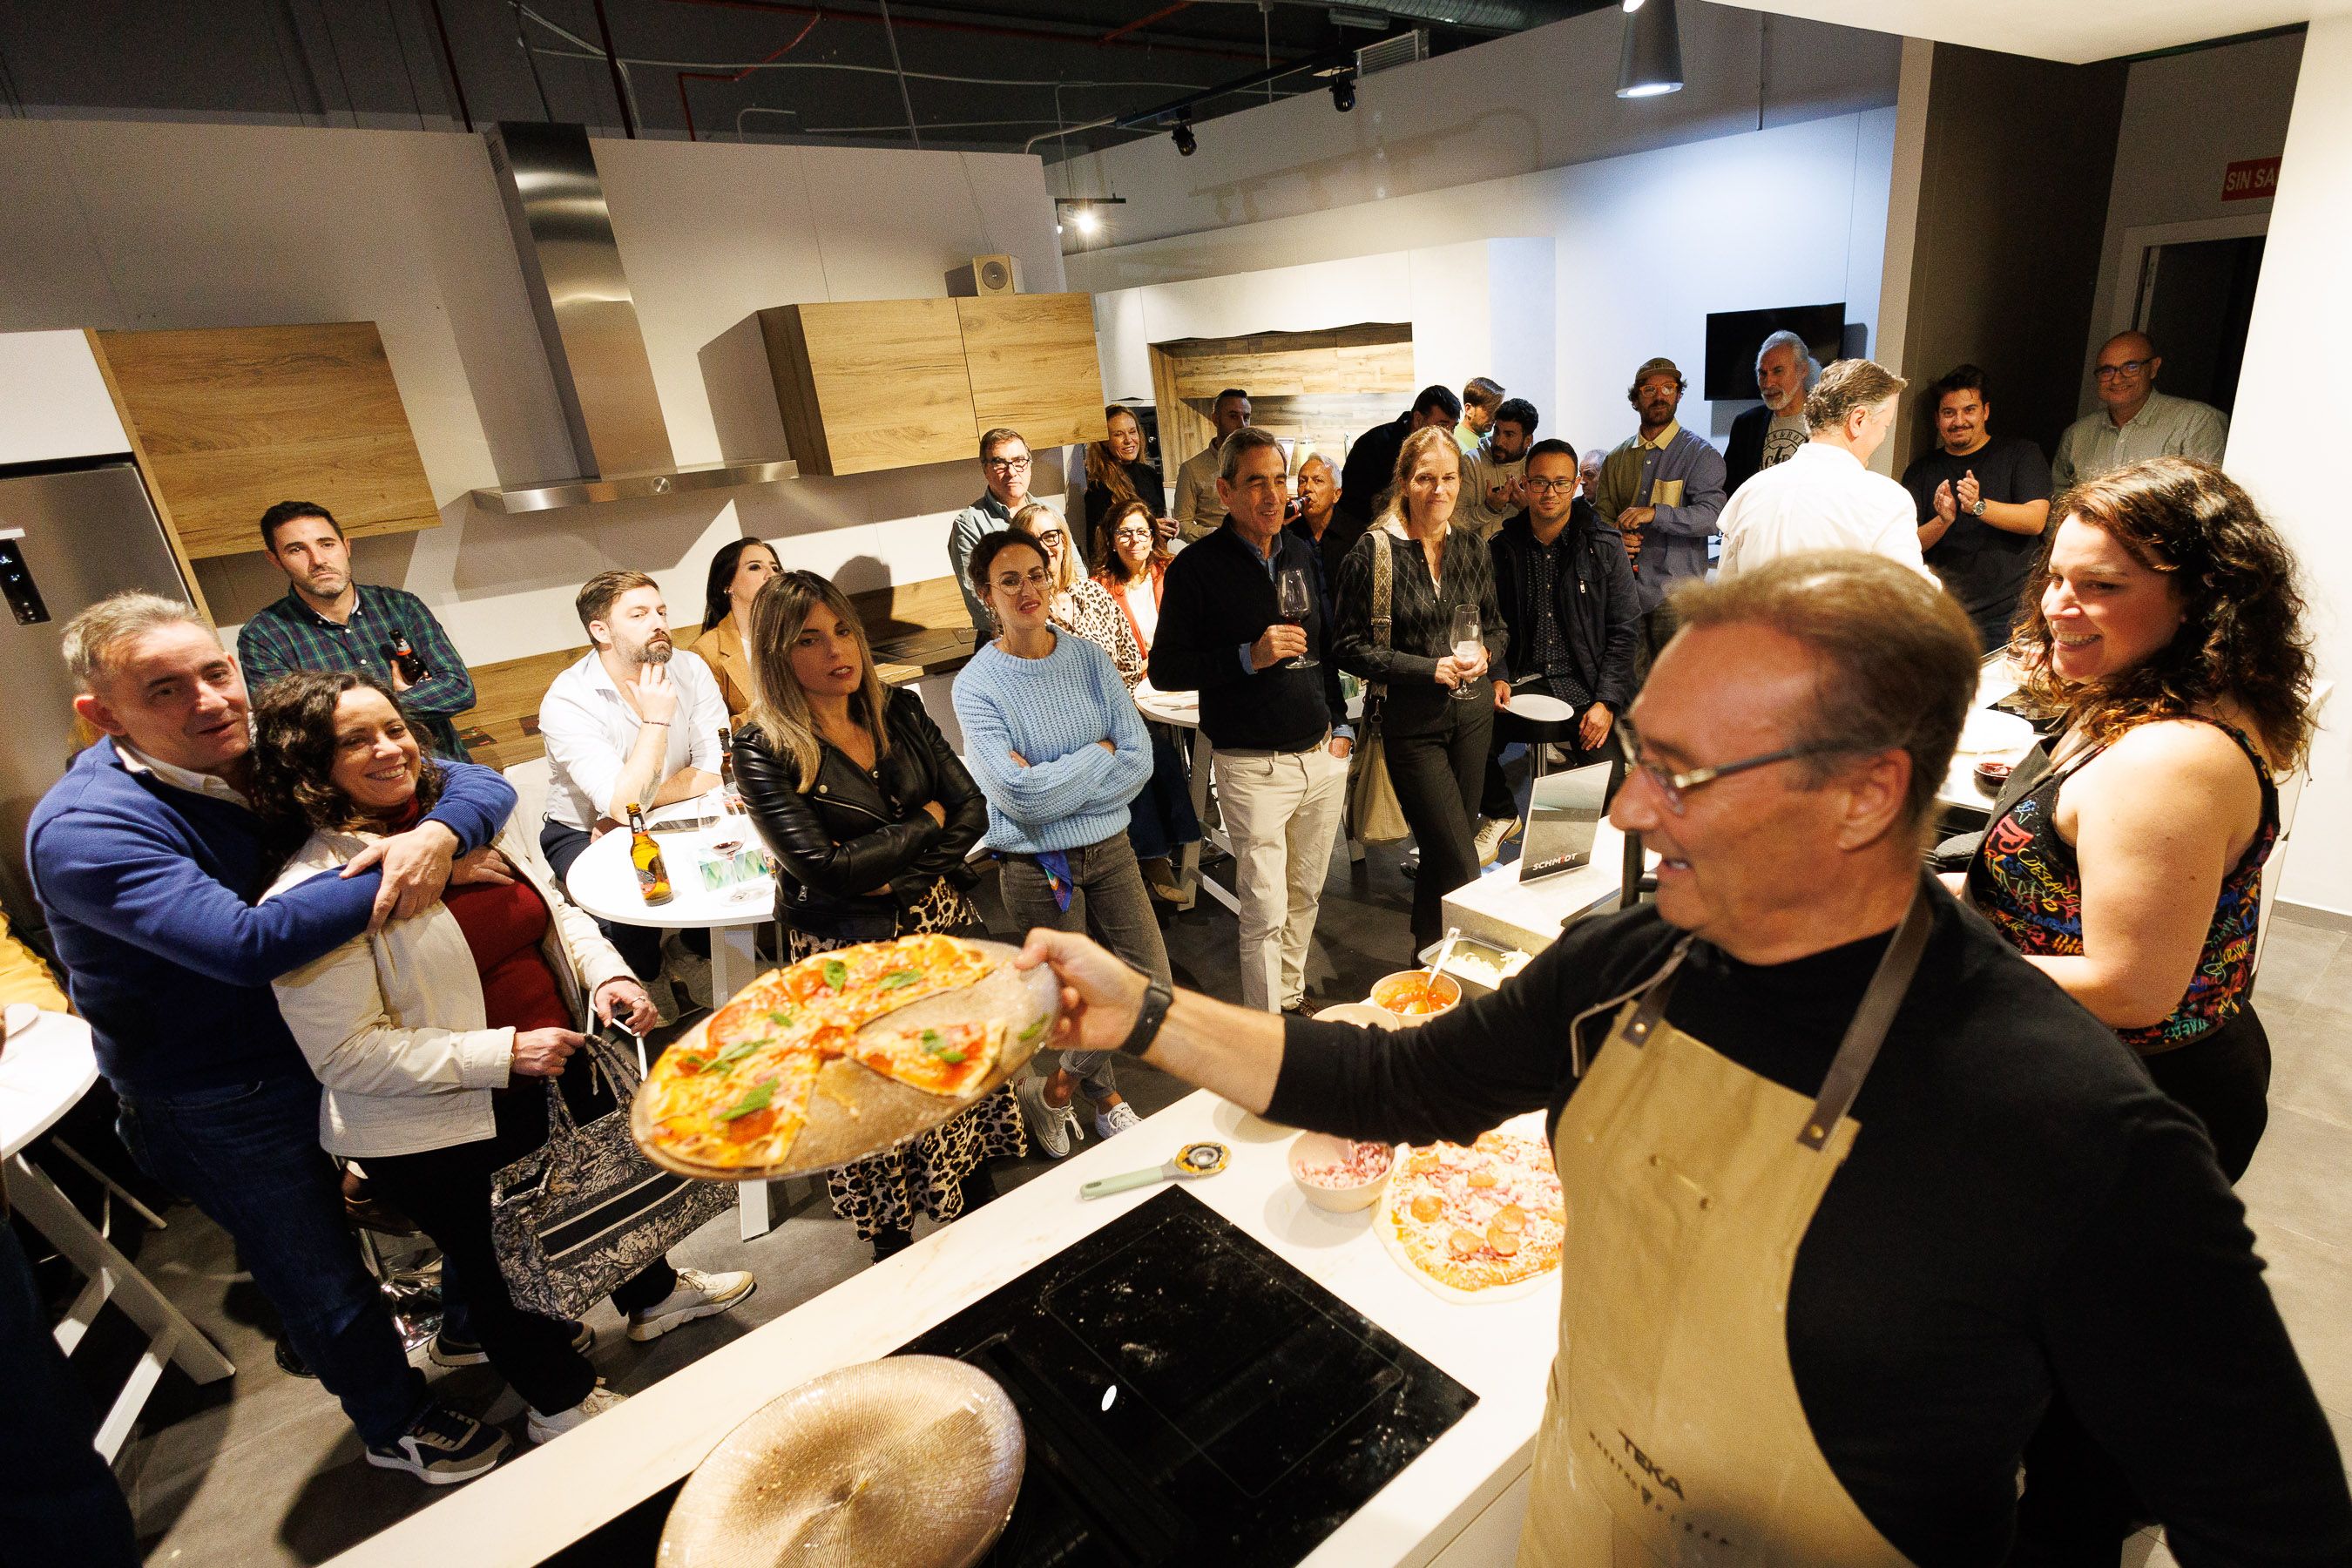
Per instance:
{"type": "Point", "coordinates": [292, 844]}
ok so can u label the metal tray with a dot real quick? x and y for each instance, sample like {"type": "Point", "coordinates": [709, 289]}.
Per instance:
{"type": "Point", "coordinates": [856, 1111]}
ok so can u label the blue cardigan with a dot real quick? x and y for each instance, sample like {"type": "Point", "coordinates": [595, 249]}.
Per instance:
{"type": "Point", "coordinates": [1052, 710]}
{"type": "Point", "coordinates": [147, 889]}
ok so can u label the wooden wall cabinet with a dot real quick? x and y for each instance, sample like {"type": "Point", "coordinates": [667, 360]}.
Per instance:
{"type": "Point", "coordinates": [891, 383]}
{"type": "Point", "coordinates": [227, 421]}
{"type": "Point", "coordinates": [869, 384]}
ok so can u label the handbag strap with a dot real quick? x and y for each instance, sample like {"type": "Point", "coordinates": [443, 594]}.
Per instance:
{"type": "Point", "coordinates": [1383, 584]}
{"type": "Point", "coordinates": [605, 1056]}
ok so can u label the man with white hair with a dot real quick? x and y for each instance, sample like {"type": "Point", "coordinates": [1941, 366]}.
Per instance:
{"type": "Point", "coordinates": [1826, 497]}
{"type": "Point", "coordinates": [1770, 435]}
{"type": "Point", "coordinates": [145, 856]}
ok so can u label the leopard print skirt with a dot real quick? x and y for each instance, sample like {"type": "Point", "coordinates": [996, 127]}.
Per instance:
{"type": "Point", "coordinates": [883, 1191]}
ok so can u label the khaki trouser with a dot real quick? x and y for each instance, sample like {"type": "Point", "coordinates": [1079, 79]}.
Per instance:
{"type": "Point", "coordinates": [1282, 812]}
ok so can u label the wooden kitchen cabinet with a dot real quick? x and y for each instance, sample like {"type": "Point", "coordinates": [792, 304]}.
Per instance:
{"type": "Point", "coordinates": [227, 421]}
{"type": "Point", "coordinates": [891, 383]}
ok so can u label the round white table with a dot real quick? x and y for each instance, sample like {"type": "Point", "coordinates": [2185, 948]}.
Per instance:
{"type": "Point", "coordinates": [604, 883]}
{"type": "Point", "coordinates": [44, 1071]}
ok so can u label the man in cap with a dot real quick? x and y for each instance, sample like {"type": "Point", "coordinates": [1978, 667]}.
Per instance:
{"type": "Point", "coordinates": [1662, 489]}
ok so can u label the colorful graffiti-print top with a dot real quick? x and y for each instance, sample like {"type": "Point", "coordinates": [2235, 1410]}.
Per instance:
{"type": "Point", "coordinates": [2025, 881]}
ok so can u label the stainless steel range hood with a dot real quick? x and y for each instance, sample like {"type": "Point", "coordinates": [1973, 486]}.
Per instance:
{"type": "Point", "coordinates": [588, 326]}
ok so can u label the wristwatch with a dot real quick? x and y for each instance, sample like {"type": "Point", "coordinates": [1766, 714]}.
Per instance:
{"type": "Point", "coordinates": [1978, 510]}
{"type": "Point", "coordinates": [1156, 999]}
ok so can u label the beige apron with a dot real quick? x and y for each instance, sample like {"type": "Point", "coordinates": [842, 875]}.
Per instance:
{"type": "Point", "coordinates": [1672, 1432]}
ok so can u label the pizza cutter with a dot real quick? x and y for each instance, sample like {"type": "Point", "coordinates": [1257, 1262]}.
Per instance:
{"type": "Point", "coordinates": [1192, 1162]}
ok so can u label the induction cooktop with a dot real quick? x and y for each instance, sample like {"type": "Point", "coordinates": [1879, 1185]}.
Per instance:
{"type": "Point", "coordinates": [1190, 1397]}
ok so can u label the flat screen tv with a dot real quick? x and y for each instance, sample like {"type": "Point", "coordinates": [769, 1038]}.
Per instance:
{"type": "Point", "coordinates": [1734, 336]}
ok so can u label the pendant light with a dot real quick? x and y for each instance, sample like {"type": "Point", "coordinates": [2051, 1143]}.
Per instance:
{"type": "Point", "coordinates": [1652, 61]}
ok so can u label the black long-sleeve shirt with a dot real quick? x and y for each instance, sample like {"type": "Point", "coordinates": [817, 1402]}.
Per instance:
{"type": "Point", "coordinates": [2022, 1213]}
{"type": "Point", "coordinates": [1421, 611]}
{"type": "Point", "coordinates": [1218, 597]}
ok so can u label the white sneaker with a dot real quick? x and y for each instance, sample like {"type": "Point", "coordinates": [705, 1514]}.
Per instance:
{"type": "Point", "coordinates": [1052, 1126]}
{"type": "Point", "coordinates": [1117, 1119]}
{"type": "Point", "coordinates": [698, 1295]}
{"type": "Point", "coordinates": [1492, 834]}
{"type": "Point", "coordinates": [540, 1429]}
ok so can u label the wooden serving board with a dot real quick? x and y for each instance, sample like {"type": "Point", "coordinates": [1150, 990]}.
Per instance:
{"type": "Point", "coordinates": [856, 1111]}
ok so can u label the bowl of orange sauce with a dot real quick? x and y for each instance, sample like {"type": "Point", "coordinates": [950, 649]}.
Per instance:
{"type": "Point", "coordinates": [1415, 996]}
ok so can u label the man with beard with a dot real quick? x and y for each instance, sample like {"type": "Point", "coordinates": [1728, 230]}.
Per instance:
{"type": "Point", "coordinates": [1662, 489]}
{"type": "Point", "coordinates": [1199, 513]}
{"type": "Point", "coordinates": [635, 723]}
{"type": "Point", "coordinates": [1764, 436]}
{"type": "Point", "coordinates": [329, 622]}
{"type": "Point", "coordinates": [1983, 501]}
{"type": "Point", "coordinates": [1490, 476]}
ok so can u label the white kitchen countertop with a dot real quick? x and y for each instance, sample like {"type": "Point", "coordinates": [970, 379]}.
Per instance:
{"type": "Point", "coordinates": [548, 1498]}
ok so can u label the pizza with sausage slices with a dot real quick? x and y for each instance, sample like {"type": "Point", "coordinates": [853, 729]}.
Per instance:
{"type": "Point", "coordinates": [736, 1097]}
{"type": "Point", "coordinates": [1477, 1218]}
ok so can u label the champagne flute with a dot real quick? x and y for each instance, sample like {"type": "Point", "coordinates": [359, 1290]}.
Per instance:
{"type": "Point", "coordinates": [1466, 646]}
{"type": "Point", "coordinates": [1296, 603]}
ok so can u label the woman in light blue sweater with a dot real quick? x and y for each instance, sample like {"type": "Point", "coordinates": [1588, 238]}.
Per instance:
{"type": "Point", "coordinates": [1056, 745]}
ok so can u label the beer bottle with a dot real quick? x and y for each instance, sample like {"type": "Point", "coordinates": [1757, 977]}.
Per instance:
{"type": "Point", "coordinates": [728, 791]}
{"type": "Point", "coordinates": [403, 656]}
{"type": "Point", "coordinates": [653, 877]}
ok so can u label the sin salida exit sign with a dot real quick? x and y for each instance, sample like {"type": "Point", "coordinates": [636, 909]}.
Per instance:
{"type": "Point", "coordinates": [2249, 178]}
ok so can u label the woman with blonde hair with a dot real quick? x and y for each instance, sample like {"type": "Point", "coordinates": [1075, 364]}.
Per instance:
{"type": "Point", "coordinates": [1117, 474]}
{"type": "Point", "coordinates": [1436, 746]}
{"type": "Point", "coordinates": [870, 818]}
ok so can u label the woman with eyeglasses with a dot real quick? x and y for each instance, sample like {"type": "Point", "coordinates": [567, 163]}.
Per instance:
{"type": "Point", "coordinates": [1081, 604]}
{"type": "Point", "coordinates": [1436, 744]}
{"type": "Point", "coordinates": [870, 818]}
{"type": "Point", "coordinates": [1132, 568]}
{"type": "Point", "coordinates": [1055, 739]}
{"type": "Point", "coordinates": [1117, 474]}
{"type": "Point", "coordinates": [741, 569]}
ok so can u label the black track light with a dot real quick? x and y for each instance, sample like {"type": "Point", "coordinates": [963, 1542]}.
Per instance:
{"type": "Point", "coordinates": [1186, 143]}
{"type": "Point", "coordinates": [1343, 93]}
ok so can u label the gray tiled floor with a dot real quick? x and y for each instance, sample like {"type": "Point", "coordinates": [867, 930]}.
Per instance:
{"type": "Point", "coordinates": [264, 1471]}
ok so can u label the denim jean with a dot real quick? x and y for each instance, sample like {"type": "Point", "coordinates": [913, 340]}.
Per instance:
{"type": "Point", "coordinates": [58, 1502]}
{"type": "Point", "coordinates": [248, 1156]}
{"type": "Point", "coordinates": [1107, 901]}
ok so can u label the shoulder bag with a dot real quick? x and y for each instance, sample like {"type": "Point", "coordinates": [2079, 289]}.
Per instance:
{"type": "Point", "coordinates": [586, 1210]}
{"type": "Point", "coordinates": [1373, 815]}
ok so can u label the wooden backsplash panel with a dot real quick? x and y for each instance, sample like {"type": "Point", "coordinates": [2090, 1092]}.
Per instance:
{"type": "Point", "coordinates": [1033, 366]}
{"type": "Point", "coordinates": [231, 420]}
{"type": "Point", "coordinates": [870, 384]}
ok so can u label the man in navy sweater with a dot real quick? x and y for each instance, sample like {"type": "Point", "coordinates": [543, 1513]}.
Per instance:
{"type": "Point", "coordinates": [145, 857]}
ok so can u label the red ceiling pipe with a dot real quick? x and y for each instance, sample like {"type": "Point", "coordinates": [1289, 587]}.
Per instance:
{"type": "Point", "coordinates": [1159, 15]}
{"type": "Point", "coordinates": [986, 29]}
{"type": "Point", "coordinates": [721, 76]}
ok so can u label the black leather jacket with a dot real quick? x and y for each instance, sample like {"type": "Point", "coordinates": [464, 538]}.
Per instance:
{"type": "Point", "coordinates": [856, 832]}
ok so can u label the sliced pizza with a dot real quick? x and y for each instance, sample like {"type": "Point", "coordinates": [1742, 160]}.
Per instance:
{"type": "Point", "coordinates": [952, 1059]}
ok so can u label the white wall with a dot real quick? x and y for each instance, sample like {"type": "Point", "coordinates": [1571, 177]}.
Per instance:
{"type": "Point", "coordinates": [1538, 99]}
{"type": "Point", "coordinates": [2187, 118]}
{"type": "Point", "coordinates": [2303, 318]}
{"type": "Point", "coordinates": [145, 226]}
{"type": "Point", "coordinates": [1642, 248]}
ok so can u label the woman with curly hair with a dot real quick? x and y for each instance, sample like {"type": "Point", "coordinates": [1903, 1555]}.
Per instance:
{"type": "Point", "coordinates": [2125, 857]}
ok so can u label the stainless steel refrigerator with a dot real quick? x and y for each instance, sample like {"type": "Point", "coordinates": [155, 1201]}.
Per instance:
{"type": "Point", "coordinates": [71, 534]}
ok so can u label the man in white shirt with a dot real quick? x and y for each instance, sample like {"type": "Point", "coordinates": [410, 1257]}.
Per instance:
{"type": "Point", "coordinates": [635, 723]}
{"type": "Point", "coordinates": [1825, 496]}
{"type": "Point", "coordinates": [1199, 513]}
{"type": "Point", "coordinates": [2136, 421]}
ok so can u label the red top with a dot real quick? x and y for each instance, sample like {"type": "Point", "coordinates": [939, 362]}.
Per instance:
{"type": "Point", "coordinates": [504, 927]}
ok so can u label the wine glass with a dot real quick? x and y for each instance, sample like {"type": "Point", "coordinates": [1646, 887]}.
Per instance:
{"type": "Point", "coordinates": [1296, 603]}
{"type": "Point", "coordinates": [1466, 646]}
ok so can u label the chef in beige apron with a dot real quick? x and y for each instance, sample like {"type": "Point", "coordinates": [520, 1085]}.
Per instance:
{"type": "Point", "coordinates": [1672, 1433]}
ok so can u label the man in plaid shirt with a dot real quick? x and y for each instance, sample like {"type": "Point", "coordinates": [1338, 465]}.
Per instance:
{"type": "Point", "coordinates": [329, 622]}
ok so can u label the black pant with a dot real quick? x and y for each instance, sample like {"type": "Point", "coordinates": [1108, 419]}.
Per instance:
{"type": "Point", "coordinates": [447, 1192]}
{"type": "Point", "coordinates": [1437, 759]}
{"type": "Point", "coordinates": [1496, 799]}
{"type": "Point", "coordinates": [2077, 1507]}
{"type": "Point", "coordinates": [58, 1502]}
{"type": "Point", "coordinates": [639, 946]}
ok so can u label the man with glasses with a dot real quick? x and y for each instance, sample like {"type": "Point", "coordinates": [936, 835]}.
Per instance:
{"type": "Point", "coordinates": [1567, 598]}
{"type": "Point", "coordinates": [1833, 1154]}
{"type": "Point", "coordinates": [1662, 489]}
{"type": "Point", "coordinates": [2134, 420]}
{"type": "Point", "coordinates": [1004, 465]}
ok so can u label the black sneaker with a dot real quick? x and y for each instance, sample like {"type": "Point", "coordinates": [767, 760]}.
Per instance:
{"type": "Point", "coordinates": [443, 1447]}
{"type": "Point", "coordinates": [449, 1350]}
